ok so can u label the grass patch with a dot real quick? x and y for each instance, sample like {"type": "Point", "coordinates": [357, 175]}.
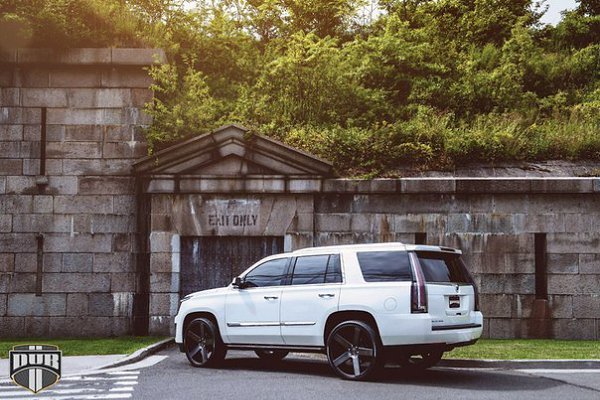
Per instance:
{"type": "Point", "coordinates": [84, 347]}
{"type": "Point", "coordinates": [528, 349]}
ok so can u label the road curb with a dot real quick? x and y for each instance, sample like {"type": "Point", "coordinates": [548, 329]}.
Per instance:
{"type": "Point", "coordinates": [521, 364]}
{"type": "Point", "coordinates": [140, 354]}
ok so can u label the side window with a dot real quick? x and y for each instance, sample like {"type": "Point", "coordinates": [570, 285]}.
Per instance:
{"type": "Point", "coordinates": [310, 269]}
{"type": "Point", "coordinates": [384, 266]}
{"type": "Point", "coordinates": [269, 273]}
{"type": "Point", "coordinates": [334, 269]}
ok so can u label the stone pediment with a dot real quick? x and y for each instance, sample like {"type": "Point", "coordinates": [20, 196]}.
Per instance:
{"type": "Point", "coordinates": [232, 151]}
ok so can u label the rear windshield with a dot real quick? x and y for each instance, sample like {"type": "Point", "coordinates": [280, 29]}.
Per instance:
{"type": "Point", "coordinates": [385, 266]}
{"type": "Point", "coordinates": [443, 267]}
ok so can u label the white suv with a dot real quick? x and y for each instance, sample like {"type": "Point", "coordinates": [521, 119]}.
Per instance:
{"type": "Point", "coordinates": [362, 305]}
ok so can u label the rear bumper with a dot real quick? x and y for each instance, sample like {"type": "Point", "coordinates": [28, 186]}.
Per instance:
{"type": "Point", "coordinates": [412, 329]}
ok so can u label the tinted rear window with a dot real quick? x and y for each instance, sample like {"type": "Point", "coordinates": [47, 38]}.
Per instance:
{"type": "Point", "coordinates": [385, 266]}
{"type": "Point", "coordinates": [442, 267]}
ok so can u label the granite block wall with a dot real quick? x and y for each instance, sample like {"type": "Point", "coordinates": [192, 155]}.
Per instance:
{"type": "Point", "coordinates": [70, 127]}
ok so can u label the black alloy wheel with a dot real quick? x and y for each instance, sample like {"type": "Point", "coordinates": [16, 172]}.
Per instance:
{"type": "Point", "coordinates": [353, 350]}
{"type": "Point", "coordinates": [202, 343]}
{"type": "Point", "coordinates": [421, 360]}
{"type": "Point", "coordinates": [272, 355]}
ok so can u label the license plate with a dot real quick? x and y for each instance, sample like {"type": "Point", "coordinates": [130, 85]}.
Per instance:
{"type": "Point", "coordinates": [454, 301]}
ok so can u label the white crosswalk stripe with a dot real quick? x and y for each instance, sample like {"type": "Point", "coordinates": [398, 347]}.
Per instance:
{"type": "Point", "coordinates": [109, 385]}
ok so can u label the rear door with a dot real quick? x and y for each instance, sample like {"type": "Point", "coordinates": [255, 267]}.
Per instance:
{"type": "Point", "coordinates": [312, 295]}
{"type": "Point", "coordinates": [450, 289]}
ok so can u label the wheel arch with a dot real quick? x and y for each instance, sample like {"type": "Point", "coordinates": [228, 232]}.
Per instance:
{"type": "Point", "coordinates": [347, 315]}
{"type": "Point", "coordinates": [201, 314]}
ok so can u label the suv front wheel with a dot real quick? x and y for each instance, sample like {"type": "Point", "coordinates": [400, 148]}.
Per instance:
{"type": "Point", "coordinates": [203, 344]}
{"type": "Point", "coordinates": [353, 350]}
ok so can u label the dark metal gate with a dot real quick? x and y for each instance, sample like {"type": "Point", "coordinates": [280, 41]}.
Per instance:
{"type": "Point", "coordinates": [213, 261]}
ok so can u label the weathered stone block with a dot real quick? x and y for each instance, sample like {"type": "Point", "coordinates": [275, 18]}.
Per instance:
{"type": "Point", "coordinates": [496, 306]}
{"type": "Point", "coordinates": [124, 205]}
{"type": "Point", "coordinates": [83, 204]}
{"type": "Point", "coordinates": [21, 184]}
{"type": "Point", "coordinates": [106, 185]}
{"type": "Point", "coordinates": [37, 326]}
{"type": "Point", "coordinates": [138, 56]}
{"type": "Point", "coordinates": [561, 306]}
{"type": "Point", "coordinates": [30, 150]}
{"type": "Point", "coordinates": [76, 77]}
{"type": "Point", "coordinates": [43, 204]}
{"type": "Point", "coordinates": [164, 282]}
{"type": "Point", "coordinates": [573, 284]}
{"type": "Point", "coordinates": [333, 222]}
{"type": "Point", "coordinates": [52, 262]}
{"type": "Point", "coordinates": [33, 133]}
{"type": "Point", "coordinates": [506, 328]}
{"type": "Point", "coordinates": [41, 223]}
{"type": "Point", "coordinates": [161, 325]}
{"type": "Point", "coordinates": [2, 185]}
{"type": "Point", "coordinates": [7, 262]}
{"type": "Point", "coordinates": [11, 132]}
{"type": "Point", "coordinates": [85, 243]}
{"type": "Point", "coordinates": [100, 305]}
{"type": "Point", "coordinates": [27, 304]}
{"type": "Point", "coordinates": [161, 262]}
{"type": "Point", "coordinates": [77, 262]}
{"type": "Point", "coordinates": [43, 97]}
{"type": "Point", "coordinates": [123, 133]}
{"type": "Point", "coordinates": [126, 78]}
{"type": "Point", "coordinates": [125, 150]}
{"type": "Point", "coordinates": [53, 167]}
{"type": "Point", "coordinates": [18, 242]}
{"type": "Point", "coordinates": [3, 304]}
{"type": "Point", "coordinates": [522, 306]}
{"type": "Point", "coordinates": [31, 167]}
{"type": "Point", "coordinates": [504, 283]}
{"type": "Point", "coordinates": [122, 282]}
{"type": "Point", "coordinates": [589, 263]}
{"type": "Point", "coordinates": [11, 167]}
{"type": "Point", "coordinates": [77, 304]}
{"type": "Point", "coordinates": [99, 98]}
{"type": "Point", "coordinates": [139, 97]}
{"type": "Point", "coordinates": [97, 167]}
{"type": "Point", "coordinates": [10, 149]}
{"type": "Point", "coordinates": [12, 324]}
{"type": "Point", "coordinates": [582, 329]}
{"type": "Point", "coordinates": [563, 263]}
{"type": "Point", "coordinates": [5, 223]}
{"type": "Point", "coordinates": [14, 204]}
{"type": "Point", "coordinates": [164, 303]}
{"type": "Point", "coordinates": [21, 283]}
{"type": "Point", "coordinates": [113, 262]}
{"type": "Point", "coordinates": [74, 56]}
{"type": "Point", "coordinates": [82, 133]}
{"type": "Point", "coordinates": [74, 150]}
{"type": "Point", "coordinates": [586, 306]}
{"type": "Point", "coordinates": [123, 242]}
{"type": "Point", "coordinates": [76, 283]}
{"type": "Point", "coordinates": [9, 96]}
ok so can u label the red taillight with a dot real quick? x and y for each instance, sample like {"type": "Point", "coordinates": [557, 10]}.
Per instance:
{"type": "Point", "coordinates": [418, 292]}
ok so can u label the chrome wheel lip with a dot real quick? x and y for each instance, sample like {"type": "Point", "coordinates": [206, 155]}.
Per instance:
{"type": "Point", "coordinates": [353, 350]}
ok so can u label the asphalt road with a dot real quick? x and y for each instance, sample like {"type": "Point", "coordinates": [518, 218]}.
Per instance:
{"type": "Point", "coordinates": [303, 377]}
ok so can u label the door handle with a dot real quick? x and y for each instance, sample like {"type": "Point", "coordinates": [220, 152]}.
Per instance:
{"type": "Point", "coordinates": [271, 297]}
{"type": "Point", "coordinates": [326, 295]}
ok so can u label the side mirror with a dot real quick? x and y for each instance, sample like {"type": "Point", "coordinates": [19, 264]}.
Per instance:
{"type": "Point", "coordinates": [238, 282]}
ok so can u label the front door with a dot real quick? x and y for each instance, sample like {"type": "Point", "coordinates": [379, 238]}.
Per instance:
{"type": "Point", "coordinates": [213, 261]}
{"type": "Point", "coordinates": [252, 313]}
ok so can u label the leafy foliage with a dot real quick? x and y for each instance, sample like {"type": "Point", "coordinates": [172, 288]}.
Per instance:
{"type": "Point", "coordinates": [371, 85]}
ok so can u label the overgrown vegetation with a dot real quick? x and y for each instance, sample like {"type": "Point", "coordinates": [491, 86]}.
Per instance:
{"type": "Point", "coordinates": [370, 85]}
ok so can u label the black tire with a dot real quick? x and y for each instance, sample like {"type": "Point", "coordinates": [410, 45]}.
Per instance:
{"type": "Point", "coordinates": [272, 355]}
{"type": "Point", "coordinates": [354, 350]}
{"type": "Point", "coordinates": [421, 360]}
{"type": "Point", "coordinates": [202, 343]}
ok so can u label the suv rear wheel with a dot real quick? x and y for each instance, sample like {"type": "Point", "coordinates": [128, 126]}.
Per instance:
{"type": "Point", "coordinates": [353, 350]}
{"type": "Point", "coordinates": [202, 343]}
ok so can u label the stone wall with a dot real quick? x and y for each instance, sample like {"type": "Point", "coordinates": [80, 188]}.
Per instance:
{"type": "Point", "coordinates": [70, 128]}
{"type": "Point", "coordinates": [494, 221]}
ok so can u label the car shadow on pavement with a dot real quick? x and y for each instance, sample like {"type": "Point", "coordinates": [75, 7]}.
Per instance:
{"type": "Point", "coordinates": [468, 379]}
